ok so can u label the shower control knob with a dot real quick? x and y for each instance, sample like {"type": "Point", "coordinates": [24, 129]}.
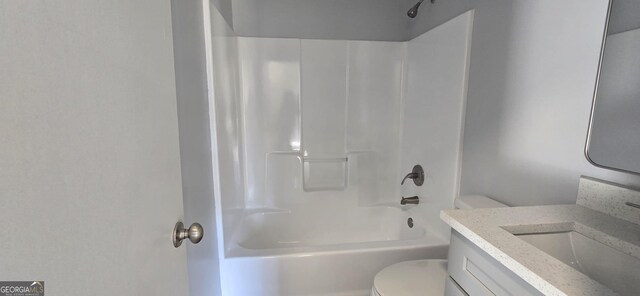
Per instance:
{"type": "Point", "coordinates": [194, 233]}
{"type": "Point", "coordinates": [417, 175]}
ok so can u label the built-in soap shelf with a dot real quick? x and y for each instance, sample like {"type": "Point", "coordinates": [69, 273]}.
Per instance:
{"type": "Point", "coordinates": [323, 174]}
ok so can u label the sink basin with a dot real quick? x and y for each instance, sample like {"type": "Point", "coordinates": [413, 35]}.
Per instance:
{"type": "Point", "coordinates": [606, 265]}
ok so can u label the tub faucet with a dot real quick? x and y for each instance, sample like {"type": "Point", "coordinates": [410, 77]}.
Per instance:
{"type": "Point", "coordinates": [413, 200]}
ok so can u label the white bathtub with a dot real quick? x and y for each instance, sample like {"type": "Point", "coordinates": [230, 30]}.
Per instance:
{"type": "Point", "coordinates": [334, 252]}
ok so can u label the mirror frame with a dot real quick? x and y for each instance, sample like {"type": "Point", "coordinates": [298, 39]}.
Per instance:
{"type": "Point", "coordinates": [595, 96]}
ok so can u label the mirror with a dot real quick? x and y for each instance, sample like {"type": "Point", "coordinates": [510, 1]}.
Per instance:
{"type": "Point", "coordinates": [614, 130]}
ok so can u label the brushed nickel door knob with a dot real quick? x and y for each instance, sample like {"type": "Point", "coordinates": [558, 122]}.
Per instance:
{"type": "Point", "coordinates": [194, 233]}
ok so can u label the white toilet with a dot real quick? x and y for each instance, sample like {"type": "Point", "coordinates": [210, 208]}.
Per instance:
{"type": "Point", "coordinates": [423, 277]}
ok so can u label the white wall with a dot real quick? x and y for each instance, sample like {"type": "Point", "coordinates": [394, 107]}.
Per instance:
{"type": "Point", "coordinates": [531, 81]}
{"type": "Point", "coordinates": [195, 143]}
{"type": "Point", "coordinates": [269, 110]}
{"type": "Point", "coordinates": [434, 109]}
{"type": "Point", "coordinates": [314, 111]}
{"type": "Point", "coordinates": [375, 93]}
{"type": "Point", "coordinates": [226, 127]}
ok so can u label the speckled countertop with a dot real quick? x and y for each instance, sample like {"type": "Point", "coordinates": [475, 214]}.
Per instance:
{"type": "Point", "coordinates": [493, 231]}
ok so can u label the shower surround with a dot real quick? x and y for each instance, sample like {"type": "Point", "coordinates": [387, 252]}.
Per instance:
{"type": "Point", "coordinates": [311, 139]}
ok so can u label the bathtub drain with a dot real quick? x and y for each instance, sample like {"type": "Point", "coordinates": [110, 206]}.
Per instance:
{"type": "Point", "coordinates": [410, 222]}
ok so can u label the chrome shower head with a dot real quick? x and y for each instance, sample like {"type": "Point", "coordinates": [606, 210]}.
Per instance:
{"type": "Point", "coordinates": [413, 11]}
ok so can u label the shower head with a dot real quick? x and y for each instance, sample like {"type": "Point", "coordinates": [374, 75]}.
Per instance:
{"type": "Point", "coordinates": [413, 11]}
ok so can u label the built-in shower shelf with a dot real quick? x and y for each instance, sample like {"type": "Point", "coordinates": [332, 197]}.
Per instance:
{"type": "Point", "coordinates": [323, 174]}
{"type": "Point", "coordinates": [333, 159]}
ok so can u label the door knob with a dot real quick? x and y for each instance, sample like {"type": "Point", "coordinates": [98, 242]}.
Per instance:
{"type": "Point", "coordinates": [194, 233]}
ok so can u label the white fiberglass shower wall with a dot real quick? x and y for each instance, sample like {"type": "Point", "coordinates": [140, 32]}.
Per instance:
{"type": "Point", "coordinates": [312, 138]}
{"type": "Point", "coordinates": [320, 121]}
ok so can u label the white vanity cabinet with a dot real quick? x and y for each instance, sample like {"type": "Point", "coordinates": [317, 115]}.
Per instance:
{"type": "Point", "coordinates": [473, 272]}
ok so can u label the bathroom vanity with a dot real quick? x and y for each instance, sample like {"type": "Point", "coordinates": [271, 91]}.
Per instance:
{"type": "Point", "coordinates": [590, 248]}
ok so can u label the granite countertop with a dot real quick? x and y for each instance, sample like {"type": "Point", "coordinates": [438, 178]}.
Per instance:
{"type": "Point", "coordinates": [492, 230]}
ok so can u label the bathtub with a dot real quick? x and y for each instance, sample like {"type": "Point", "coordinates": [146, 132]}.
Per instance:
{"type": "Point", "coordinates": [321, 252]}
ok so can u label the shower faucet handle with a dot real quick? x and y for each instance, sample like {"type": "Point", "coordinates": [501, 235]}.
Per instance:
{"type": "Point", "coordinates": [417, 174]}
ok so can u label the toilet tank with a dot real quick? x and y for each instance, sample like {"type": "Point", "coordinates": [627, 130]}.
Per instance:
{"type": "Point", "coordinates": [476, 202]}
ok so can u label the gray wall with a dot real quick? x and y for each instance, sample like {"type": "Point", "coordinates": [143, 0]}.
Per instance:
{"type": "Point", "coordinates": [366, 19]}
{"type": "Point", "coordinates": [625, 16]}
{"type": "Point", "coordinates": [195, 143]}
{"type": "Point", "coordinates": [321, 19]}
{"type": "Point", "coordinates": [225, 8]}
{"type": "Point", "coordinates": [531, 81]}
{"type": "Point", "coordinates": [431, 15]}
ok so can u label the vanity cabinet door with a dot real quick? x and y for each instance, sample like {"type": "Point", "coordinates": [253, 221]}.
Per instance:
{"type": "Point", "coordinates": [451, 288]}
{"type": "Point", "coordinates": [479, 274]}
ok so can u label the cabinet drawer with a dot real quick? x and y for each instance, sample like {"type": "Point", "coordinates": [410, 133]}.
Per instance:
{"type": "Point", "coordinates": [479, 274]}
